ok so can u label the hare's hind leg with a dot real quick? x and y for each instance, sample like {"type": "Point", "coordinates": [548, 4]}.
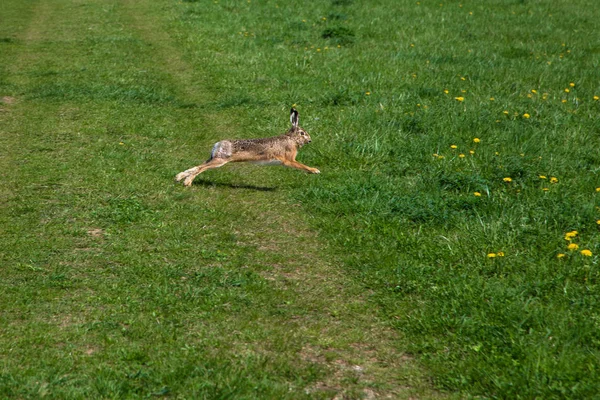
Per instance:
{"type": "Point", "coordinates": [189, 175]}
{"type": "Point", "coordinates": [218, 157]}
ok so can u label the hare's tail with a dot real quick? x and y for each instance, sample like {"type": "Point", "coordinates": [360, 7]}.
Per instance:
{"type": "Point", "coordinates": [222, 149]}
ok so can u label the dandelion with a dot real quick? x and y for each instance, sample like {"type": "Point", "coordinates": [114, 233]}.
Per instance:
{"type": "Point", "coordinates": [572, 84]}
{"type": "Point", "coordinates": [461, 156]}
{"type": "Point", "coordinates": [446, 91]}
{"type": "Point", "coordinates": [507, 179]}
{"type": "Point", "coordinates": [368, 93]}
{"type": "Point", "coordinates": [567, 90]}
{"type": "Point", "coordinates": [586, 253]}
{"type": "Point", "coordinates": [477, 194]}
{"type": "Point", "coordinates": [563, 101]}
{"type": "Point", "coordinates": [471, 152]}
{"type": "Point", "coordinates": [476, 140]}
{"type": "Point", "coordinates": [533, 91]}
{"type": "Point", "coordinates": [545, 189]}
{"type": "Point", "coordinates": [570, 235]}
{"type": "Point", "coordinates": [543, 177]}
{"type": "Point", "coordinates": [598, 222]}
{"type": "Point", "coordinates": [436, 155]}
{"type": "Point", "coordinates": [505, 112]}
{"type": "Point", "coordinates": [492, 99]}
{"type": "Point", "coordinates": [553, 179]}
{"type": "Point", "coordinates": [462, 78]}
{"type": "Point", "coordinates": [500, 254]}
{"type": "Point", "coordinates": [527, 116]}
{"type": "Point", "coordinates": [596, 98]}
{"type": "Point", "coordinates": [560, 255]}
{"type": "Point", "coordinates": [459, 98]}
{"type": "Point", "coordinates": [453, 146]}
{"type": "Point", "coordinates": [491, 255]}
{"type": "Point", "coordinates": [598, 189]}
{"type": "Point", "coordinates": [572, 246]}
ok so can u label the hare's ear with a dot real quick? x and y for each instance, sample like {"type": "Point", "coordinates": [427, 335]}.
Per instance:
{"type": "Point", "coordinates": [294, 118]}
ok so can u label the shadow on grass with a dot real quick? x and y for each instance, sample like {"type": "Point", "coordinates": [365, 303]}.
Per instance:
{"type": "Point", "coordinates": [206, 183]}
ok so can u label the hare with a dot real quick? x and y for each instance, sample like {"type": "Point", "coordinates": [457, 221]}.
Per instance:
{"type": "Point", "coordinates": [277, 150]}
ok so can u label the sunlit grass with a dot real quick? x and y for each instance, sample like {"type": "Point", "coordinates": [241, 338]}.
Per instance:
{"type": "Point", "coordinates": [458, 144]}
{"type": "Point", "coordinates": [461, 239]}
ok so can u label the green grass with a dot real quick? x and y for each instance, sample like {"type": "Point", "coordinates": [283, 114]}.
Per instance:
{"type": "Point", "coordinates": [269, 283]}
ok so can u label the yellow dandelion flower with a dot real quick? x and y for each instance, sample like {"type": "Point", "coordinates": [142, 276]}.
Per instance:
{"type": "Point", "coordinates": [476, 140]}
{"type": "Point", "coordinates": [500, 254]}
{"type": "Point", "coordinates": [462, 78]}
{"type": "Point", "coordinates": [368, 93]}
{"type": "Point", "coordinates": [596, 98]}
{"type": "Point", "coordinates": [533, 91]}
{"type": "Point", "coordinates": [459, 98]}
{"type": "Point", "coordinates": [560, 255]}
{"type": "Point", "coordinates": [553, 179]}
{"type": "Point", "coordinates": [471, 152]}
{"type": "Point", "coordinates": [598, 189]}
{"type": "Point", "coordinates": [598, 222]}
{"type": "Point", "coordinates": [563, 101]}
{"type": "Point", "coordinates": [436, 155]}
{"type": "Point", "coordinates": [505, 112]}
{"type": "Point", "coordinates": [491, 255]}
{"type": "Point", "coordinates": [545, 189]}
{"type": "Point", "coordinates": [441, 157]}
{"type": "Point", "coordinates": [526, 116]}
{"type": "Point", "coordinates": [477, 194]}
{"type": "Point", "coordinates": [446, 91]}
{"type": "Point", "coordinates": [492, 99]}
{"type": "Point", "coordinates": [461, 155]}
{"type": "Point", "coordinates": [543, 177]}
{"type": "Point", "coordinates": [567, 90]}
{"type": "Point", "coordinates": [570, 235]}
{"type": "Point", "coordinates": [507, 179]}
{"type": "Point", "coordinates": [572, 84]}
{"type": "Point", "coordinates": [572, 246]}
{"type": "Point", "coordinates": [586, 253]}
{"type": "Point", "coordinates": [453, 146]}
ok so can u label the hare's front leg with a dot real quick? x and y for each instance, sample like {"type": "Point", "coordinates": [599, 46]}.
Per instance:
{"type": "Point", "coordinates": [300, 166]}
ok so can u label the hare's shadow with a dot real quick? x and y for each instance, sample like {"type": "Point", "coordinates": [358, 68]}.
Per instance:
{"type": "Point", "coordinates": [206, 183]}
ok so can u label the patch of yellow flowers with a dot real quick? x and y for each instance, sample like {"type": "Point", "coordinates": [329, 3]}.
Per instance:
{"type": "Point", "coordinates": [569, 237]}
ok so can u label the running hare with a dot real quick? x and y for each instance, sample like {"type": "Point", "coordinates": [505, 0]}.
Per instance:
{"type": "Point", "coordinates": [277, 150]}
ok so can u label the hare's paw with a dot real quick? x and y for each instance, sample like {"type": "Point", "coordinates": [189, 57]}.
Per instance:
{"type": "Point", "coordinates": [180, 176]}
{"type": "Point", "coordinates": [315, 171]}
{"type": "Point", "coordinates": [188, 181]}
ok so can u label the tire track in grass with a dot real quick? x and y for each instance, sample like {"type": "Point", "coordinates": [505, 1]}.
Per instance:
{"type": "Point", "coordinates": [311, 315]}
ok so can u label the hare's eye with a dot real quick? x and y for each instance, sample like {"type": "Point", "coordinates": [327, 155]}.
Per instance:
{"type": "Point", "coordinates": [302, 133]}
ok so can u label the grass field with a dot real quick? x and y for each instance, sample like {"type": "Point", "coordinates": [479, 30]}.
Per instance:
{"type": "Point", "coordinates": [449, 248]}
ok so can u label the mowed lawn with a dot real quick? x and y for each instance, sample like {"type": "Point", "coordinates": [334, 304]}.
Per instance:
{"type": "Point", "coordinates": [449, 248]}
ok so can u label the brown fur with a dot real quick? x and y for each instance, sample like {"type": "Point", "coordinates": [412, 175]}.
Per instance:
{"type": "Point", "coordinates": [278, 150]}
